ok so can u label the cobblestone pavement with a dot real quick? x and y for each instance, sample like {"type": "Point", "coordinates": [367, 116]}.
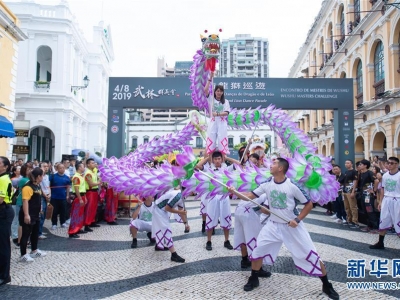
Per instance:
{"type": "Point", "coordinates": [101, 265]}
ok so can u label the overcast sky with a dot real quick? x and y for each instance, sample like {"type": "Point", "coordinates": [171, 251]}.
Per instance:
{"type": "Point", "coordinates": [143, 30]}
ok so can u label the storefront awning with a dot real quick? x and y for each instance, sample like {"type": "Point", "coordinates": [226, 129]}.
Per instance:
{"type": "Point", "coordinates": [6, 128]}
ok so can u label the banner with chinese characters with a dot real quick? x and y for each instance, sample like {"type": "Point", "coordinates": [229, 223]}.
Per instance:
{"type": "Point", "coordinates": [287, 93]}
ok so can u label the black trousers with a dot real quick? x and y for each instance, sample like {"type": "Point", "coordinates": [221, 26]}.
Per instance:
{"type": "Point", "coordinates": [60, 206]}
{"type": "Point", "coordinates": [29, 231]}
{"type": "Point", "coordinates": [6, 218]}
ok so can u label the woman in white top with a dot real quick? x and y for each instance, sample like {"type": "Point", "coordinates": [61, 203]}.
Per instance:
{"type": "Point", "coordinates": [217, 136]}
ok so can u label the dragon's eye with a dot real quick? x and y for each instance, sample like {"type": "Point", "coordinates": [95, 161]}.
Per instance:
{"type": "Point", "coordinates": [203, 40]}
{"type": "Point", "coordinates": [209, 36]}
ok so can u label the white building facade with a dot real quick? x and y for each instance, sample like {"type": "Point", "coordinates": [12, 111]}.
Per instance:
{"type": "Point", "coordinates": [65, 112]}
{"type": "Point", "coordinates": [244, 56]}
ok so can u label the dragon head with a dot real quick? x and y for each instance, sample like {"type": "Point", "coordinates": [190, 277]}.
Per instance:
{"type": "Point", "coordinates": [211, 45]}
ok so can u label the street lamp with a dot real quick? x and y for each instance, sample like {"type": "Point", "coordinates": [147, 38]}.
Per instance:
{"type": "Point", "coordinates": [84, 86]}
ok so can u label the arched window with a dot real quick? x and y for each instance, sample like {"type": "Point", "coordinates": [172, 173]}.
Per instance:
{"type": "Point", "coordinates": [359, 81]}
{"type": "Point", "coordinates": [342, 26]}
{"type": "Point", "coordinates": [379, 69]}
{"type": "Point", "coordinates": [357, 12]}
{"type": "Point", "coordinates": [44, 64]}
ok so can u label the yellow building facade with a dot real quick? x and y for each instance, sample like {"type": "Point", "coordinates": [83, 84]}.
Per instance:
{"type": "Point", "coordinates": [10, 35]}
{"type": "Point", "coordinates": [356, 39]}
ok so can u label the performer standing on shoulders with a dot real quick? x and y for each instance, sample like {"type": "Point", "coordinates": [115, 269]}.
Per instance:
{"type": "Point", "coordinates": [281, 194]}
{"type": "Point", "coordinates": [92, 195]}
{"type": "Point", "coordinates": [217, 136]}
{"type": "Point", "coordinates": [78, 205]}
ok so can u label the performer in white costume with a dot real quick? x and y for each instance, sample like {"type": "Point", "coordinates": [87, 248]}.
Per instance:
{"type": "Point", "coordinates": [217, 207]}
{"type": "Point", "coordinates": [281, 194]}
{"type": "Point", "coordinates": [389, 204]}
{"type": "Point", "coordinates": [217, 136]}
{"type": "Point", "coordinates": [141, 220]}
{"type": "Point", "coordinates": [161, 229]}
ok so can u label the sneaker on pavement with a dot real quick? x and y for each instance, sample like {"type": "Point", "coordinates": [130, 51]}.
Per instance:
{"type": "Point", "coordinates": [339, 221]}
{"type": "Point", "coordinates": [73, 236]}
{"type": "Point", "coordinates": [54, 227]}
{"type": "Point", "coordinates": [38, 253]}
{"type": "Point", "coordinates": [94, 225]}
{"type": "Point", "coordinates": [177, 258]}
{"type": "Point", "coordinates": [44, 233]}
{"type": "Point", "coordinates": [330, 291]}
{"type": "Point", "coordinates": [333, 216]}
{"type": "Point", "coordinates": [5, 281]}
{"type": "Point", "coordinates": [42, 237]}
{"type": "Point", "coordinates": [251, 283]}
{"type": "Point", "coordinates": [134, 244]}
{"type": "Point", "coordinates": [228, 245]}
{"type": "Point", "coordinates": [65, 225]}
{"type": "Point", "coordinates": [26, 258]}
{"type": "Point", "coordinates": [208, 246]}
{"type": "Point", "coordinates": [112, 223]}
{"type": "Point", "coordinates": [355, 226]}
{"type": "Point", "coordinates": [344, 222]}
{"type": "Point", "coordinates": [378, 245]}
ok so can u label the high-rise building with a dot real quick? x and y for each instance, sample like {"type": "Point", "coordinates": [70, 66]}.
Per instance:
{"type": "Point", "coordinates": [244, 56]}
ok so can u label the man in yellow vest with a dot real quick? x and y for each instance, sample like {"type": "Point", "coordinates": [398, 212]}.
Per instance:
{"type": "Point", "coordinates": [6, 218]}
{"type": "Point", "coordinates": [92, 184]}
{"type": "Point", "coordinates": [78, 205]}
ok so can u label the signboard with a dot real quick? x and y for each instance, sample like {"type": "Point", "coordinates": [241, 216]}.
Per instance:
{"type": "Point", "coordinates": [284, 93]}
{"type": "Point", "coordinates": [21, 149]}
{"type": "Point", "coordinates": [22, 133]}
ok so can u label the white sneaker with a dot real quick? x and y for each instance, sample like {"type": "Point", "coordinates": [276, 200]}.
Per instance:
{"type": "Point", "coordinates": [334, 217]}
{"type": "Point", "coordinates": [42, 237]}
{"type": "Point", "coordinates": [38, 253]}
{"type": "Point", "coordinates": [344, 222]}
{"type": "Point", "coordinates": [26, 258]}
{"type": "Point", "coordinates": [68, 221]}
{"type": "Point", "coordinates": [54, 227]}
{"type": "Point", "coordinates": [44, 233]}
{"type": "Point", "coordinates": [64, 225]}
{"type": "Point", "coordinates": [338, 221]}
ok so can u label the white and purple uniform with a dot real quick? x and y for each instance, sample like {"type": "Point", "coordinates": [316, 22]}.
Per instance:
{"type": "Point", "coordinates": [247, 224]}
{"type": "Point", "coordinates": [143, 221]}
{"type": "Point", "coordinates": [217, 132]}
{"type": "Point", "coordinates": [390, 208]}
{"type": "Point", "coordinates": [281, 199]}
{"type": "Point", "coordinates": [218, 207]}
{"type": "Point", "coordinates": [161, 230]}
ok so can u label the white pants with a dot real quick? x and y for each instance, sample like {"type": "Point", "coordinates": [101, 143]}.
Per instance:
{"type": "Point", "coordinates": [217, 135]}
{"type": "Point", "coordinates": [141, 225]}
{"type": "Point", "coordinates": [297, 241]}
{"type": "Point", "coordinates": [203, 205]}
{"type": "Point", "coordinates": [160, 229]}
{"type": "Point", "coordinates": [390, 214]}
{"type": "Point", "coordinates": [247, 227]}
{"type": "Point", "coordinates": [218, 207]}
